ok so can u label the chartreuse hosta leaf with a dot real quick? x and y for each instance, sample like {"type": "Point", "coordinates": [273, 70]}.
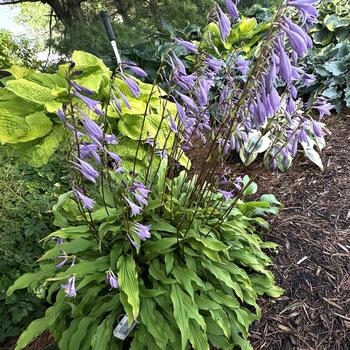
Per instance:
{"type": "Point", "coordinates": [17, 129]}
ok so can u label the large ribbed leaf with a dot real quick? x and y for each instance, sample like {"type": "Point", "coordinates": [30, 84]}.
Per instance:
{"type": "Point", "coordinates": [30, 91]}
{"type": "Point", "coordinates": [128, 282]}
{"type": "Point", "coordinates": [40, 154]}
{"type": "Point", "coordinates": [17, 129]}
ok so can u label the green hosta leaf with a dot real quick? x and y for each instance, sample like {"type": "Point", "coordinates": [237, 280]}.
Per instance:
{"type": "Point", "coordinates": [159, 246]}
{"type": "Point", "coordinates": [18, 72]}
{"type": "Point", "coordinates": [17, 129]}
{"type": "Point", "coordinates": [30, 91]}
{"type": "Point", "coordinates": [336, 68]}
{"type": "Point", "coordinates": [265, 285]}
{"type": "Point", "coordinates": [72, 247]}
{"type": "Point", "coordinates": [40, 153]}
{"type": "Point", "coordinates": [38, 326]}
{"type": "Point", "coordinates": [82, 58]}
{"type": "Point", "coordinates": [197, 336]}
{"type": "Point", "coordinates": [221, 319]}
{"type": "Point", "coordinates": [101, 338]}
{"type": "Point", "coordinates": [212, 243]}
{"type": "Point", "coordinates": [156, 324]}
{"type": "Point", "coordinates": [333, 21]}
{"type": "Point", "coordinates": [251, 189]}
{"type": "Point", "coordinates": [180, 313]}
{"type": "Point", "coordinates": [323, 37]}
{"type": "Point", "coordinates": [32, 277]}
{"type": "Point", "coordinates": [12, 105]}
{"type": "Point", "coordinates": [81, 332]}
{"type": "Point", "coordinates": [185, 277]}
{"type": "Point", "coordinates": [47, 79]}
{"type": "Point", "coordinates": [128, 282]}
{"type": "Point", "coordinates": [331, 93]}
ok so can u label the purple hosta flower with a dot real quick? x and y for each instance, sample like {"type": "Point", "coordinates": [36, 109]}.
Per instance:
{"type": "Point", "coordinates": [140, 192]}
{"type": "Point", "coordinates": [91, 128]}
{"type": "Point", "coordinates": [178, 65]}
{"type": "Point", "coordinates": [132, 86]}
{"type": "Point", "coordinates": [214, 63]}
{"type": "Point", "coordinates": [135, 209]}
{"type": "Point", "coordinates": [238, 182]}
{"type": "Point", "coordinates": [303, 136]}
{"type": "Point", "coordinates": [162, 153]}
{"type": "Point", "coordinates": [90, 103]}
{"type": "Point", "coordinates": [69, 287]}
{"type": "Point", "coordinates": [323, 107]}
{"type": "Point", "coordinates": [61, 263]}
{"type": "Point", "coordinates": [305, 7]}
{"type": "Point", "coordinates": [296, 41]}
{"type": "Point", "coordinates": [203, 91]}
{"type": "Point", "coordinates": [231, 8]}
{"type": "Point", "coordinates": [308, 79]}
{"type": "Point", "coordinates": [80, 88]}
{"type": "Point", "coordinates": [293, 92]}
{"type": "Point", "coordinates": [188, 101]}
{"type": "Point", "coordinates": [71, 127]}
{"type": "Point", "coordinates": [285, 68]}
{"type": "Point", "coordinates": [111, 139]}
{"type": "Point", "coordinates": [61, 115]}
{"type": "Point", "coordinates": [297, 29]}
{"type": "Point", "coordinates": [226, 194]}
{"type": "Point", "coordinates": [123, 97]}
{"type": "Point", "coordinates": [142, 231]}
{"type": "Point", "coordinates": [275, 99]}
{"type": "Point", "coordinates": [316, 127]}
{"type": "Point", "coordinates": [242, 65]}
{"type": "Point", "coordinates": [112, 279]}
{"type": "Point", "coordinates": [186, 82]}
{"type": "Point", "coordinates": [291, 106]}
{"type": "Point", "coordinates": [133, 243]}
{"type": "Point", "coordinates": [271, 77]}
{"type": "Point", "coordinates": [190, 47]}
{"type": "Point", "coordinates": [87, 170]}
{"type": "Point", "coordinates": [114, 156]}
{"type": "Point", "coordinates": [86, 151]}
{"type": "Point", "coordinates": [173, 125]}
{"type": "Point", "coordinates": [180, 112]}
{"type": "Point", "coordinates": [88, 203]}
{"type": "Point", "coordinates": [224, 23]}
{"type": "Point", "coordinates": [59, 240]}
{"type": "Point", "coordinates": [117, 104]}
{"type": "Point", "coordinates": [137, 70]}
{"type": "Point", "coordinates": [149, 140]}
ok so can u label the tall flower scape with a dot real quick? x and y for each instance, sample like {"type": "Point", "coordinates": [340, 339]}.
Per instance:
{"type": "Point", "coordinates": [175, 250]}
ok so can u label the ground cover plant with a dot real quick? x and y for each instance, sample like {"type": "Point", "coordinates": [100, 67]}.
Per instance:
{"type": "Point", "coordinates": [329, 60]}
{"type": "Point", "coordinates": [27, 197]}
{"type": "Point", "coordinates": [177, 252]}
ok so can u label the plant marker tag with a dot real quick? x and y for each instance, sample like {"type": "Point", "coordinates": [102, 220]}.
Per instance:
{"type": "Point", "coordinates": [123, 330]}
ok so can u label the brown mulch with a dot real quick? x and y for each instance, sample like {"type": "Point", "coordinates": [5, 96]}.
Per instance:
{"type": "Point", "coordinates": [313, 262]}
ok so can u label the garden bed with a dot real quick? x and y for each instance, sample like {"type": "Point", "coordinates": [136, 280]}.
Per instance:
{"type": "Point", "coordinates": [312, 264]}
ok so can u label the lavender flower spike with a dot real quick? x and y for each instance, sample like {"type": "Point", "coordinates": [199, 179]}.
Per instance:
{"type": "Point", "coordinates": [133, 86]}
{"type": "Point", "coordinates": [88, 203]}
{"type": "Point", "coordinates": [231, 8]}
{"type": "Point", "coordinates": [90, 103]}
{"type": "Point", "coordinates": [323, 107]}
{"type": "Point", "coordinates": [135, 209]}
{"type": "Point", "coordinates": [61, 115]}
{"type": "Point", "coordinates": [69, 287]}
{"type": "Point", "coordinates": [87, 170]}
{"type": "Point", "coordinates": [142, 231]}
{"type": "Point", "coordinates": [224, 24]}
{"type": "Point", "coordinates": [91, 128]}
{"type": "Point", "coordinates": [191, 48]}
{"type": "Point", "coordinates": [226, 194]}
{"type": "Point", "coordinates": [112, 279]}
{"type": "Point", "coordinates": [137, 70]}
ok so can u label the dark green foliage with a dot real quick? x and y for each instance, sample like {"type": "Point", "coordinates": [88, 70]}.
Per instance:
{"type": "Point", "coordinates": [27, 195]}
{"type": "Point", "coordinates": [330, 58]}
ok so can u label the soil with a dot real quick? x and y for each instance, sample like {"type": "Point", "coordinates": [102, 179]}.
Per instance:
{"type": "Point", "coordinates": [313, 261]}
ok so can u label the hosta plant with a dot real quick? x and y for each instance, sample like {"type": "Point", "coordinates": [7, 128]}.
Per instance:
{"type": "Point", "coordinates": [329, 60]}
{"type": "Point", "coordinates": [189, 277]}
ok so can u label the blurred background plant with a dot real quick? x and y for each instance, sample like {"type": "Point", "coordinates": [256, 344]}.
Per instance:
{"type": "Point", "coordinates": [27, 196]}
{"type": "Point", "coordinates": [329, 60]}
